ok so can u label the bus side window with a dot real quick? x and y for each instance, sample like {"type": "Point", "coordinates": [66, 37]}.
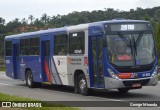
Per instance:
{"type": "Point", "coordinates": [62, 51]}
{"type": "Point", "coordinates": [76, 43]}
{"type": "Point", "coordinates": [8, 47]}
{"type": "Point", "coordinates": [47, 48]}
{"type": "Point", "coordinates": [34, 46]}
{"type": "Point", "coordinates": [61, 44]}
{"type": "Point", "coordinates": [24, 46]}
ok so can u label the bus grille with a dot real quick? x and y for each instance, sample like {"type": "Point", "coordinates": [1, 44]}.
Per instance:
{"type": "Point", "coordinates": [143, 82]}
{"type": "Point", "coordinates": [131, 69]}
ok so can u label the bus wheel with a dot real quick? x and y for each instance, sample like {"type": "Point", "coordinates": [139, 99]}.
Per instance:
{"type": "Point", "coordinates": [29, 79]}
{"type": "Point", "coordinates": [123, 90]}
{"type": "Point", "coordinates": [82, 85]}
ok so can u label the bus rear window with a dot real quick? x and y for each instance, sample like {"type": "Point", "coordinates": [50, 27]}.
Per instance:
{"type": "Point", "coordinates": [8, 46]}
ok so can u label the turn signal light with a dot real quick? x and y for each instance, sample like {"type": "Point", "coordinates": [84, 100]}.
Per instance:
{"type": "Point", "coordinates": [124, 75]}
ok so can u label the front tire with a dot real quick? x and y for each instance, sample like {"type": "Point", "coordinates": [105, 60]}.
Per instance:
{"type": "Point", "coordinates": [82, 85]}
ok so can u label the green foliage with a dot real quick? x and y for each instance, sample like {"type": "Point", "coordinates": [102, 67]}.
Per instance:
{"type": "Point", "coordinates": [159, 77]}
{"type": "Point", "coordinates": [2, 69]}
{"type": "Point", "coordinates": [5, 97]}
{"type": "Point", "coordinates": [2, 21]}
{"type": "Point", "coordinates": [55, 21]}
{"type": "Point", "coordinates": [2, 29]}
{"type": "Point", "coordinates": [13, 25]}
{"type": "Point", "coordinates": [38, 23]}
{"type": "Point", "coordinates": [157, 33]}
{"type": "Point", "coordinates": [150, 14]}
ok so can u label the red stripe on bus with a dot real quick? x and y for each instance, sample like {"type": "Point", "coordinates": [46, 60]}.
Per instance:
{"type": "Point", "coordinates": [47, 71]}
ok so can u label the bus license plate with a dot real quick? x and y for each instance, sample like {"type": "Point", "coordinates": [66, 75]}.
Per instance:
{"type": "Point", "coordinates": [136, 85]}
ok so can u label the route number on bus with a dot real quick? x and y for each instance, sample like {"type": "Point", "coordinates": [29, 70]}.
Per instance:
{"type": "Point", "coordinates": [127, 27]}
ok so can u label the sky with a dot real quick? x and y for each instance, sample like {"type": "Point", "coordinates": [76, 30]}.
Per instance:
{"type": "Point", "coordinates": [11, 9]}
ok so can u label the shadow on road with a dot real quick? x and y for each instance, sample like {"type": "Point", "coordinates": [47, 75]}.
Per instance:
{"type": "Point", "coordinates": [113, 94]}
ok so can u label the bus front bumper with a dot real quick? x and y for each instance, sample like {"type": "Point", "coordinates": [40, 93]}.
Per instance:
{"type": "Point", "coordinates": [111, 83]}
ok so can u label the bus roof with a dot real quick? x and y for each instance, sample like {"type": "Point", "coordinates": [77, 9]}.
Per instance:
{"type": "Point", "coordinates": [74, 27]}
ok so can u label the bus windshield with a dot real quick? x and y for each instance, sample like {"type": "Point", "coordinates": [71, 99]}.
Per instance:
{"type": "Point", "coordinates": [130, 49]}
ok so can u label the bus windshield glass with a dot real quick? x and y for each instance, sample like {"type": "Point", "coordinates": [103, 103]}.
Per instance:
{"type": "Point", "coordinates": [130, 49]}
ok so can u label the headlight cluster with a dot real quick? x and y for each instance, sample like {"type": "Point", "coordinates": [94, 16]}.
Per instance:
{"type": "Point", "coordinates": [113, 74]}
{"type": "Point", "coordinates": [155, 72]}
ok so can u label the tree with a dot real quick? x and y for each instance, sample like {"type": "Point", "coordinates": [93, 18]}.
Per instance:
{"type": "Point", "coordinates": [44, 18]}
{"type": "Point", "coordinates": [24, 22]}
{"type": "Point", "coordinates": [3, 29]}
{"type": "Point", "coordinates": [157, 15]}
{"type": "Point", "coordinates": [38, 23]}
{"type": "Point", "coordinates": [146, 17]}
{"type": "Point", "coordinates": [157, 33]}
{"type": "Point", "coordinates": [31, 18]}
{"type": "Point", "coordinates": [1, 45]}
{"type": "Point", "coordinates": [12, 25]}
{"type": "Point", "coordinates": [2, 21]}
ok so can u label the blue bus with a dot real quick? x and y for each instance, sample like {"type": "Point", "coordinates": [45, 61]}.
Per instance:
{"type": "Point", "coordinates": [115, 54]}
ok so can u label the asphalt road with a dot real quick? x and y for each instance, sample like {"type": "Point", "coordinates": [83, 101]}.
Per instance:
{"type": "Point", "coordinates": [63, 93]}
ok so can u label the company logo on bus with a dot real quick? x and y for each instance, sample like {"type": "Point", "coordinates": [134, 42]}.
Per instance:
{"type": "Point", "coordinates": [78, 51]}
{"type": "Point", "coordinates": [58, 62]}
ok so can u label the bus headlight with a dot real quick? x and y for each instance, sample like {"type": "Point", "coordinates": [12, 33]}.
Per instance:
{"type": "Point", "coordinates": [113, 74]}
{"type": "Point", "coordinates": [155, 72]}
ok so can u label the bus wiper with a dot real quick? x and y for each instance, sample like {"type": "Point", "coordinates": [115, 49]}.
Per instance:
{"type": "Point", "coordinates": [139, 39]}
{"type": "Point", "coordinates": [131, 46]}
{"type": "Point", "coordinates": [135, 45]}
{"type": "Point", "coordinates": [124, 39]}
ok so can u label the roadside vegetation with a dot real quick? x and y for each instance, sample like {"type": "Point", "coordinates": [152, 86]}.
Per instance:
{"type": "Point", "coordinates": [2, 69]}
{"type": "Point", "coordinates": [6, 97]}
{"type": "Point", "coordinates": [159, 77]}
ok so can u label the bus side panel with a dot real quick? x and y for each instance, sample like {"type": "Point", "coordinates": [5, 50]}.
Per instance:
{"type": "Point", "coordinates": [22, 68]}
{"type": "Point", "coordinates": [59, 70]}
{"type": "Point", "coordinates": [32, 63]}
{"type": "Point", "coordinates": [9, 67]}
{"type": "Point", "coordinates": [36, 68]}
{"type": "Point", "coordinates": [77, 63]}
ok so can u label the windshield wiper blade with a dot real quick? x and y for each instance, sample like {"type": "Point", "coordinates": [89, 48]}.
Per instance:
{"type": "Point", "coordinates": [139, 39]}
{"type": "Point", "coordinates": [124, 39]}
{"type": "Point", "coordinates": [131, 46]}
{"type": "Point", "coordinates": [135, 45]}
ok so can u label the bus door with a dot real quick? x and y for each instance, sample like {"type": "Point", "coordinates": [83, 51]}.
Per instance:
{"type": "Point", "coordinates": [45, 57]}
{"type": "Point", "coordinates": [96, 67]}
{"type": "Point", "coordinates": [16, 61]}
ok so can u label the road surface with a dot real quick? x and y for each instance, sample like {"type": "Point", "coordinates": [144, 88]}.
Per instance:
{"type": "Point", "coordinates": [63, 93]}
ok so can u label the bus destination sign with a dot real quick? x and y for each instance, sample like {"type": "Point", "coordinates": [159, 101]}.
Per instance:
{"type": "Point", "coordinates": [128, 27]}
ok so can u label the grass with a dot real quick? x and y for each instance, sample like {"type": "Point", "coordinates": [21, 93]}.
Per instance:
{"type": "Point", "coordinates": [159, 77]}
{"type": "Point", "coordinates": [2, 69]}
{"type": "Point", "coordinates": [6, 97]}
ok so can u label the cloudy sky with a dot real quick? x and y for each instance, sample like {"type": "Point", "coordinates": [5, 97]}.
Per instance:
{"type": "Point", "coordinates": [11, 9]}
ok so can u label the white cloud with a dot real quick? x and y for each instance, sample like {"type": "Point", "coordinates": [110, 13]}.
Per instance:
{"type": "Point", "coordinates": [148, 3]}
